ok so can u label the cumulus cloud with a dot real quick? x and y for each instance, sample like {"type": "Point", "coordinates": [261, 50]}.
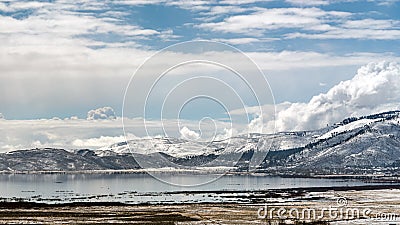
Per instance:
{"type": "Point", "coordinates": [375, 88]}
{"type": "Point", "coordinates": [256, 125]}
{"type": "Point", "coordinates": [186, 133]}
{"type": "Point", "coordinates": [105, 113]}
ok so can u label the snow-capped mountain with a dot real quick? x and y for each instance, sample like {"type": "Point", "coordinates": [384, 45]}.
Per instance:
{"type": "Point", "coordinates": [181, 148]}
{"type": "Point", "coordinates": [353, 145]}
{"type": "Point", "coordinates": [364, 142]}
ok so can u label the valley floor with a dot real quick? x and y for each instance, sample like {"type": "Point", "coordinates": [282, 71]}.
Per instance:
{"type": "Point", "coordinates": [377, 206]}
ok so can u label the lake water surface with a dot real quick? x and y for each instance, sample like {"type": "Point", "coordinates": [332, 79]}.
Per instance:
{"type": "Point", "coordinates": [143, 188]}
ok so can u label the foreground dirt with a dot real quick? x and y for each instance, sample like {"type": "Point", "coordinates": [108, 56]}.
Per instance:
{"type": "Point", "coordinates": [380, 203]}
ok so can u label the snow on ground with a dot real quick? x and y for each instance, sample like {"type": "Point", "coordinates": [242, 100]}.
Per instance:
{"type": "Point", "coordinates": [350, 126]}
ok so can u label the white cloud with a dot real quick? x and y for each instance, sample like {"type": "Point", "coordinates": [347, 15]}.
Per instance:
{"type": "Point", "coordinates": [342, 33]}
{"type": "Point", "coordinates": [80, 133]}
{"type": "Point", "coordinates": [276, 18]}
{"type": "Point", "coordinates": [61, 23]}
{"type": "Point", "coordinates": [197, 5]}
{"type": "Point", "coordinates": [256, 125]}
{"type": "Point", "coordinates": [55, 40]}
{"type": "Point", "coordinates": [168, 35]}
{"type": "Point", "coordinates": [375, 88]}
{"type": "Point", "coordinates": [14, 6]}
{"type": "Point", "coordinates": [371, 24]}
{"type": "Point", "coordinates": [386, 2]}
{"type": "Point", "coordinates": [105, 113]}
{"type": "Point", "coordinates": [139, 2]}
{"type": "Point", "coordinates": [239, 41]}
{"type": "Point", "coordinates": [52, 43]}
{"type": "Point", "coordinates": [375, 29]}
{"type": "Point", "coordinates": [294, 60]}
{"type": "Point", "coordinates": [103, 141]}
{"type": "Point", "coordinates": [26, 134]}
{"type": "Point", "coordinates": [239, 2]}
{"type": "Point", "coordinates": [102, 78]}
{"type": "Point", "coordinates": [188, 134]}
{"type": "Point", "coordinates": [223, 9]}
{"type": "Point", "coordinates": [308, 23]}
{"type": "Point", "coordinates": [308, 2]}
{"type": "Point", "coordinates": [327, 2]}
{"type": "Point", "coordinates": [228, 133]}
{"type": "Point", "coordinates": [98, 142]}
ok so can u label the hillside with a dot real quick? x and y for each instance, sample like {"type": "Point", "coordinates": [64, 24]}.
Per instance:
{"type": "Point", "coordinates": [354, 145]}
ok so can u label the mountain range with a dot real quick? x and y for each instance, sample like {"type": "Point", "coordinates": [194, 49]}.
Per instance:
{"type": "Point", "coordinates": [356, 145]}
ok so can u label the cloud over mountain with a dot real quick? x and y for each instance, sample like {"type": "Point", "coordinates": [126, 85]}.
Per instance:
{"type": "Point", "coordinates": [105, 113]}
{"type": "Point", "coordinates": [188, 134]}
{"type": "Point", "coordinates": [375, 87]}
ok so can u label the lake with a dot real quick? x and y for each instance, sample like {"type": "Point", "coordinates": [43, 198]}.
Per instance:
{"type": "Point", "coordinates": [143, 188]}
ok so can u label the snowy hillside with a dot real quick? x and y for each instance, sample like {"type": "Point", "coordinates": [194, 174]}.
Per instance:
{"type": "Point", "coordinates": [183, 148]}
{"type": "Point", "coordinates": [351, 146]}
{"type": "Point", "coordinates": [362, 143]}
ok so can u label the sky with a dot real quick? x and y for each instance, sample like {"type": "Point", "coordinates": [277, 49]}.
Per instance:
{"type": "Point", "coordinates": [62, 62]}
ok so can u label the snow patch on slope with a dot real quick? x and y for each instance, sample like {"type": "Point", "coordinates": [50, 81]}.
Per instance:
{"type": "Point", "coordinates": [347, 127]}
